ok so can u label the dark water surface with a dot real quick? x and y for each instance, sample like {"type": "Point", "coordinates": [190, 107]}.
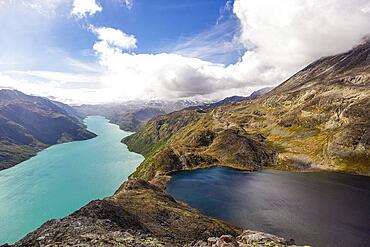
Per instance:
{"type": "Point", "coordinates": [321, 208]}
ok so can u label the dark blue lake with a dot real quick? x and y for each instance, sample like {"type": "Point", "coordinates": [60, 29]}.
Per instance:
{"type": "Point", "coordinates": [320, 209]}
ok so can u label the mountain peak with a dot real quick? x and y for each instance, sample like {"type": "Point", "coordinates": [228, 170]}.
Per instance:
{"type": "Point", "coordinates": [351, 68]}
{"type": "Point", "coordinates": [11, 94]}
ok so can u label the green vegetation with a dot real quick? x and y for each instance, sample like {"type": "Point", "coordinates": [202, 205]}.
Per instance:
{"type": "Point", "coordinates": [315, 120]}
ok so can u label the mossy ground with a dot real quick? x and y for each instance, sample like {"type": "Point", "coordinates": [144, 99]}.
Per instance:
{"type": "Point", "coordinates": [302, 133]}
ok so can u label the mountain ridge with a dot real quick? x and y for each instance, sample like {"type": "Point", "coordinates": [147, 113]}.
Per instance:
{"type": "Point", "coordinates": [30, 124]}
{"type": "Point", "coordinates": [317, 119]}
{"type": "Point", "coordinates": [133, 115]}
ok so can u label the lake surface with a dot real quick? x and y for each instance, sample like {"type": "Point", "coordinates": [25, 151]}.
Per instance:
{"type": "Point", "coordinates": [63, 178]}
{"type": "Point", "coordinates": [321, 209]}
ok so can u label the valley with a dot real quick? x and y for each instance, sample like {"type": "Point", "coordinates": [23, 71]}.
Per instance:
{"type": "Point", "coordinates": [315, 121]}
{"type": "Point", "coordinates": [228, 123]}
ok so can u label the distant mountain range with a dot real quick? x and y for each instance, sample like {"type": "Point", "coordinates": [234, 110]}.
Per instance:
{"type": "Point", "coordinates": [29, 124]}
{"type": "Point", "coordinates": [132, 115]}
{"type": "Point", "coordinates": [232, 99]}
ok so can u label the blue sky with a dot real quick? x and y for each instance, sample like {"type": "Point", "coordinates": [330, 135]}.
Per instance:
{"type": "Point", "coordinates": [159, 26]}
{"type": "Point", "coordinates": [96, 51]}
{"type": "Point", "coordinates": [156, 24]}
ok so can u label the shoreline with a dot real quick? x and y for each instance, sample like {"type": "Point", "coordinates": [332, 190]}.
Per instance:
{"type": "Point", "coordinates": [44, 147]}
{"type": "Point", "coordinates": [162, 180]}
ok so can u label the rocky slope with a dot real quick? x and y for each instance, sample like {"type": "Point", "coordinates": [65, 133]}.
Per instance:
{"type": "Point", "coordinates": [29, 124]}
{"type": "Point", "coordinates": [141, 214]}
{"type": "Point", "coordinates": [316, 119]}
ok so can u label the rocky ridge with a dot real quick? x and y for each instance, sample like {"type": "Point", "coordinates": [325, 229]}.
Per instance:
{"type": "Point", "coordinates": [29, 124]}
{"type": "Point", "coordinates": [317, 119]}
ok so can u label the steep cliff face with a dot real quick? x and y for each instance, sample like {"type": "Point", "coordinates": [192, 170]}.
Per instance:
{"type": "Point", "coordinates": [141, 214]}
{"type": "Point", "coordinates": [316, 119]}
{"type": "Point", "coordinates": [29, 124]}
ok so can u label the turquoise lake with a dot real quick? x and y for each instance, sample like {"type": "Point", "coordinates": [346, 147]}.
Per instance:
{"type": "Point", "coordinates": [63, 178]}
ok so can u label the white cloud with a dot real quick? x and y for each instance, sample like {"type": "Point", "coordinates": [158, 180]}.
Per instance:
{"type": "Point", "coordinates": [54, 76]}
{"type": "Point", "coordinates": [82, 8]}
{"type": "Point", "coordinates": [290, 34]}
{"type": "Point", "coordinates": [129, 3]}
{"type": "Point", "coordinates": [74, 88]}
{"type": "Point", "coordinates": [114, 37]}
{"type": "Point", "coordinates": [280, 36]}
{"type": "Point", "coordinates": [130, 76]}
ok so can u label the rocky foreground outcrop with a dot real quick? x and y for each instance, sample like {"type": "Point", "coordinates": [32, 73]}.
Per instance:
{"type": "Point", "coordinates": [29, 124]}
{"type": "Point", "coordinates": [141, 214]}
{"type": "Point", "coordinates": [246, 239]}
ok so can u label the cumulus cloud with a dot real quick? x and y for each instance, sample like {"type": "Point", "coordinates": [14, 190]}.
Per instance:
{"type": "Point", "coordinates": [114, 38]}
{"type": "Point", "coordinates": [289, 34]}
{"type": "Point", "coordinates": [130, 75]}
{"type": "Point", "coordinates": [83, 8]}
{"type": "Point", "coordinates": [279, 37]}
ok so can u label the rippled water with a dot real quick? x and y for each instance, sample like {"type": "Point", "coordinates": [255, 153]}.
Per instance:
{"type": "Point", "coordinates": [63, 178]}
{"type": "Point", "coordinates": [321, 209]}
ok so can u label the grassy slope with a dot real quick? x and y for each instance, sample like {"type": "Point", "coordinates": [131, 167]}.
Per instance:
{"type": "Point", "coordinates": [316, 119]}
